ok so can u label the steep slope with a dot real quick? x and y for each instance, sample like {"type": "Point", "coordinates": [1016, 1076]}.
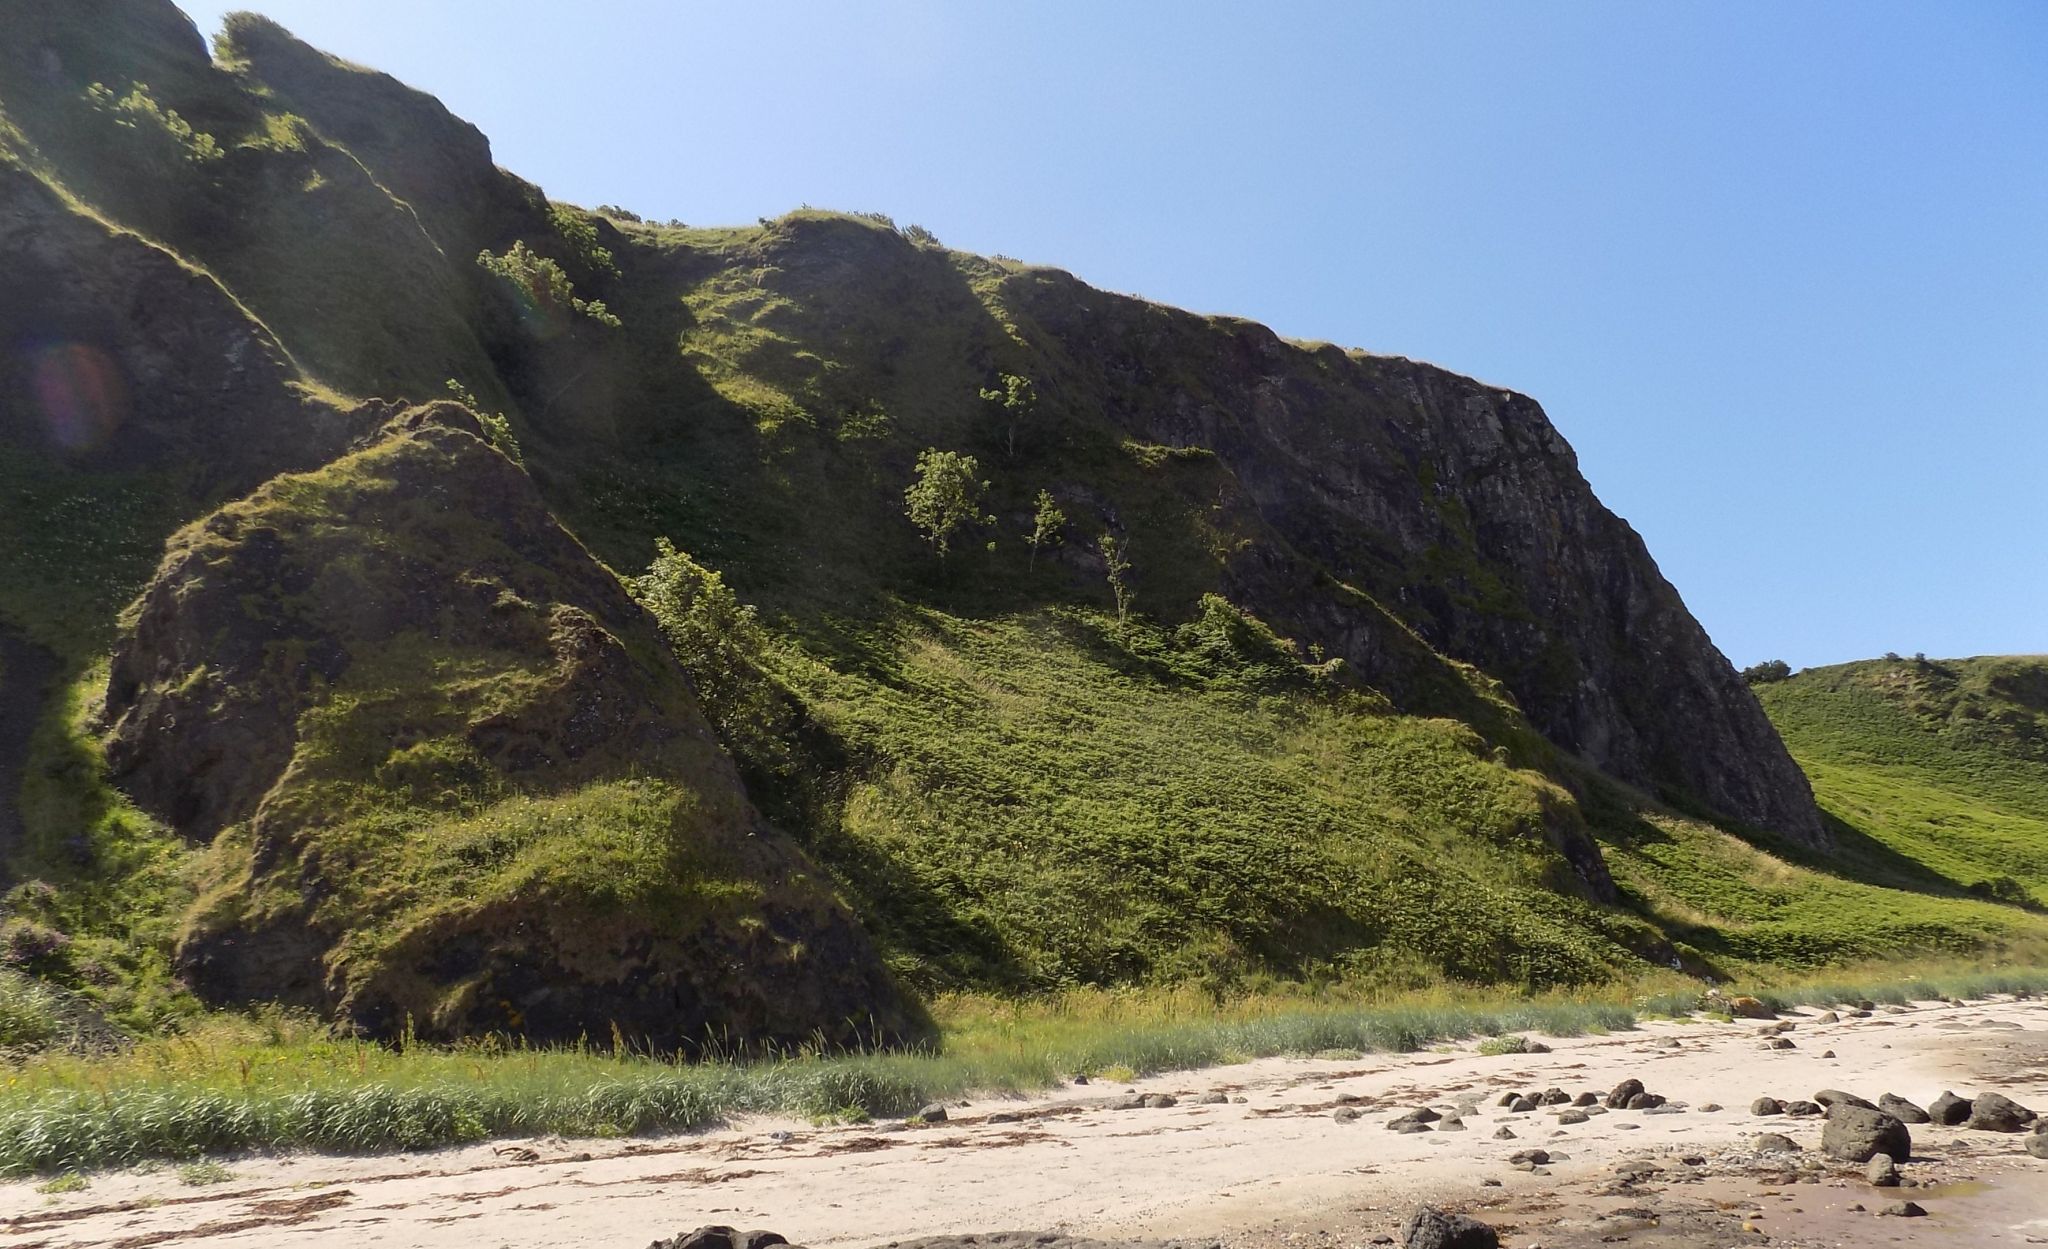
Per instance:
{"type": "Point", "coordinates": [451, 780]}
{"type": "Point", "coordinates": [1383, 690]}
{"type": "Point", "coordinates": [1943, 763]}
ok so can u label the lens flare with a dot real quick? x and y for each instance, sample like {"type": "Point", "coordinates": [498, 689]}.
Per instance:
{"type": "Point", "coordinates": [78, 392]}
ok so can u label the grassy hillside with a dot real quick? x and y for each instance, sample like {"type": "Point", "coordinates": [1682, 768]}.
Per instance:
{"type": "Point", "coordinates": [1939, 768]}
{"type": "Point", "coordinates": [1354, 715]}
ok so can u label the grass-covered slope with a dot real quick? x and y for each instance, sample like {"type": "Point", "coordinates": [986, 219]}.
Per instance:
{"type": "Point", "coordinates": [1940, 766]}
{"type": "Point", "coordinates": [448, 779]}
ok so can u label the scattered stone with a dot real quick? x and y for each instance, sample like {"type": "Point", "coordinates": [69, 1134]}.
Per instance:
{"type": "Point", "coordinates": [1802, 1110]}
{"type": "Point", "coordinates": [1158, 1101]}
{"type": "Point", "coordinates": [1596, 1110]}
{"type": "Point", "coordinates": [1489, 1183]}
{"type": "Point", "coordinates": [1830, 1097]}
{"type": "Point", "coordinates": [933, 1113]}
{"type": "Point", "coordinates": [1865, 1004]}
{"type": "Point", "coordinates": [1450, 1123]}
{"type": "Point", "coordinates": [1827, 1053]}
{"type": "Point", "coordinates": [1348, 1099]}
{"type": "Point", "coordinates": [1239, 1101]}
{"type": "Point", "coordinates": [1005, 1116]}
{"type": "Point", "coordinates": [1503, 1133]}
{"type": "Point", "coordinates": [1218, 1099]}
{"type": "Point", "coordinates": [1537, 1157]}
{"type": "Point", "coordinates": [1779, 1043]}
{"type": "Point", "coordinates": [1618, 1099]}
{"type": "Point", "coordinates": [1508, 1099]}
{"type": "Point", "coordinates": [1830, 1017]}
{"type": "Point", "coordinates": [1430, 1228]}
{"type": "Point", "coordinates": [1694, 1160]}
{"type": "Point", "coordinates": [2037, 1144]}
{"type": "Point", "coordinates": [1645, 1101]}
{"type": "Point", "coordinates": [1903, 1210]}
{"type": "Point", "coordinates": [1421, 1114]}
{"type": "Point", "coordinates": [1554, 1097]}
{"type": "Point", "coordinates": [1749, 1008]}
{"type": "Point", "coordinates": [1410, 1129]}
{"type": "Point", "coordinates": [1767, 1106]}
{"type": "Point", "coordinates": [1573, 1116]}
{"type": "Point", "coordinates": [1859, 1014]}
{"type": "Point", "coordinates": [1775, 1143]}
{"type": "Point", "coordinates": [1522, 1105]}
{"type": "Point", "coordinates": [1345, 1114]}
{"type": "Point", "coordinates": [1710, 1107]}
{"type": "Point", "coordinates": [1586, 1099]}
{"type": "Point", "coordinates": [1627, 1127]}
{"type": "Point", "coordinates": [1664, 1110]}
{"type": "Point", "coordinates": [1854, 1134]}
{"type": "Point", "coordinates": [1080, 1079]}
{"type": "Point", "coordinates": [1882, 1172]}
{"type": "Point", "coordinates": [1901, 1109]}
{"type": "Point", "coordinates": [1948, 1110]}
{"type": "Point", "coordinates": [1995, 1112]}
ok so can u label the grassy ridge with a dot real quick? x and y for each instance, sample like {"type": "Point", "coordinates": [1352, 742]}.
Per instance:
{"type": "Point", "coordinates": [1939, 766]}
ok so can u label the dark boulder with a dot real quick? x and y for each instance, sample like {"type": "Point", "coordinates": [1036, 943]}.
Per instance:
{"type": "Point", "coordinates": [1948, 1110]}
{"type": "Point", "coordinates": [1854, 1134]}
{"type": "Point", "coordinates": [1901, 1109]}
{"type": "Point", "coordinates": [1619, 1098]}
{"type": "Point", "coordinates": [1430, 1228]}
{"type": "Point", "coordinates": [1995, 1112]}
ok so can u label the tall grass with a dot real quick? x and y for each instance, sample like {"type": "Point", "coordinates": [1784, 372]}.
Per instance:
{"type": "Point", "coordinates": [240, 1084]}
{"type": "Point", "coordinates": [279, 1081]}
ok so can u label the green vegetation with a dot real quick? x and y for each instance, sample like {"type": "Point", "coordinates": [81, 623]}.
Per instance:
{"type": "Point", "coordinates": [1936, 770]}
{"type": "Point", "coordinates": [945, 497]}
{"type": "Point", "coordinates": [1047, 524]}
{"type": "Point", "coordinates": [542, 286]}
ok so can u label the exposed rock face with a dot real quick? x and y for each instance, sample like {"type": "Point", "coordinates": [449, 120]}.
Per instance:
{"type": "Point", "coordinates": [409, 631]}
{"type": "Point", "coordinates": [1371, 466]}
{"type": "Point", "coordinates": [115, 355]}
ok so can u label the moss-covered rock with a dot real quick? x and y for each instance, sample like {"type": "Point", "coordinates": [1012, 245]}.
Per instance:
{"type": "Point", "coordinates": [453, 781]}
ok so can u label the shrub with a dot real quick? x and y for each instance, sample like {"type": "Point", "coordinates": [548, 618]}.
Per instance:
{"type": "Point", "coordinates": [543, 283]}
{"type": "Point", "coordinates": [1768, 671]}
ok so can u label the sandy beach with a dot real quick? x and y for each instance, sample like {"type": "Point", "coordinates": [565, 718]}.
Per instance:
{"type": "Point", "coordinates": [1259, 1154]}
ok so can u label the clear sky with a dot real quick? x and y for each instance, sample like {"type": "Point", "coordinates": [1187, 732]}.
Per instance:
{"type": "Point", "coordinates": [1778, 271]}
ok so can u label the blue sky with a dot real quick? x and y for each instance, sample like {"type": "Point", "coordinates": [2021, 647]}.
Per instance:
{"type": "Point", "coordinates": [1778, 271]}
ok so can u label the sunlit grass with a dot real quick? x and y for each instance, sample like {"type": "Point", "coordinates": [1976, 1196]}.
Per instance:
{"type": "Point", "coordinates": [280, 1081]}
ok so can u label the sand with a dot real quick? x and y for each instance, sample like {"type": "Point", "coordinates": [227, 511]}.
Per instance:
{"type": "Point", "coordinates": [1275, 1169]}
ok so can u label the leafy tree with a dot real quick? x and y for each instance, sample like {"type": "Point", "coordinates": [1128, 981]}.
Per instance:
{"type": "Point", "coordinates": [1768, 671]}
{"type": "Point", "coordinates": [542, 281]}
{"type": "Point", "coordinates": [1116, 563]}
{"type": "Point", "coordinates": [920, 236]}
{"type": "Point", "coordinates": [946, 496]}
{"type": "Point", "coordinates": [1014, 402]}
{"type": "Point", "coordinates": [1046, 524]}
{"type": "Point", "coordinates": [715, 637]}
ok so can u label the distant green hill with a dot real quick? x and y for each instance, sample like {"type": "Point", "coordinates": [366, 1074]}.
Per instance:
{"type": "Point", "coordinates": [1937, 769]}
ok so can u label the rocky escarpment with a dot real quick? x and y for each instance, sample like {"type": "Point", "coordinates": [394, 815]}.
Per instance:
{"type": "Point", "coordinates": [452, 780]}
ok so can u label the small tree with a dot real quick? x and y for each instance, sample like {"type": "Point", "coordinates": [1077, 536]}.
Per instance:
{"type": "Point", "coordinates": [1768, 671]}
{"type": "Point", "coordinates": [945, 496]}
{"type": "Point", "coordinates": [715, 637]}
{"type": "Point", "coordinates": [1116, 563]}
{"type": "Point", "coordinates": [1014, 401]}
{"type": "Point", "coordinates": [1046, 524]}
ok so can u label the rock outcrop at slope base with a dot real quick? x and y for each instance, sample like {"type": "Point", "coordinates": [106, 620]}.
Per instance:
{"type": "Point", "coordinates": [454, 781]}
